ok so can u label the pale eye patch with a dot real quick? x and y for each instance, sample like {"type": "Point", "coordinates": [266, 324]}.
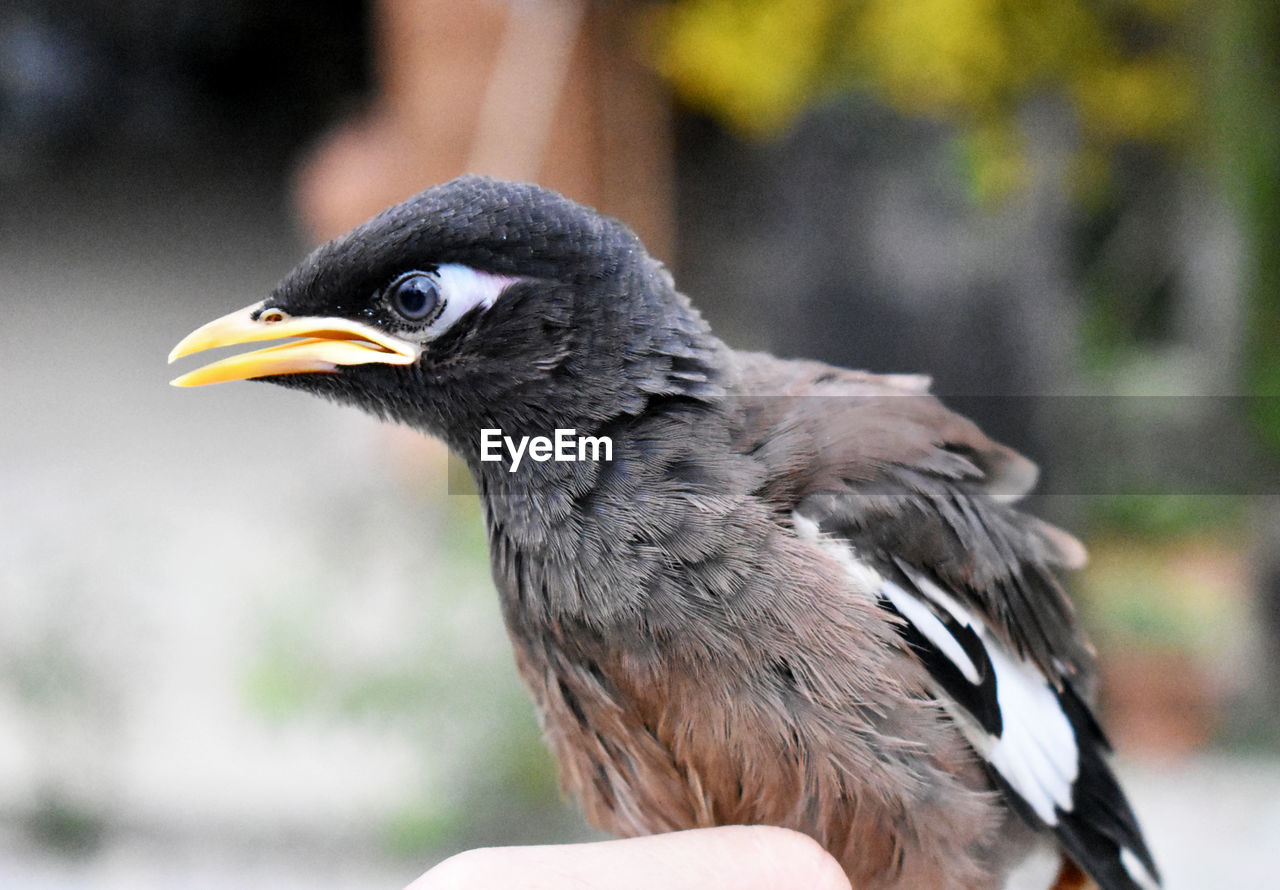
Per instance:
{"type": "Point", "coordinates": [463, 289]}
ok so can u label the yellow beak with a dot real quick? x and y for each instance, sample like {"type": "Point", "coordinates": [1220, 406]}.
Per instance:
{"type": "Point", "coordinates": [326, 344]}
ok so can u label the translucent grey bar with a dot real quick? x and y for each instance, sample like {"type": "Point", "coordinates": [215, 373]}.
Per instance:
{"type": "Point", "coordinates": [1084, 445]}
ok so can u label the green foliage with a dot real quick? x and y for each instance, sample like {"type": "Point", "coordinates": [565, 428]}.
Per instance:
{"type": "Point", "coordinates": [421, 827]}
{"type": "Point", "coordinates": [61, 824]}
{"type": "Point", "coordinates": [1245, 108]}
{"type": "Point", "coordinates": [1164, 516]}
{"type": "Point", "coordinates": [1124, 66]}
{"type": "Point", "coordinates": [1133, 607]}
{"type": "Point", "coordinates": [1184, 594]}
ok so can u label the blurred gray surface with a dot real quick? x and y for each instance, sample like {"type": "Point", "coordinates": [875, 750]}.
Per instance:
{"type": "Point", "coordinates": [155, 542]}
{"type": "Point", "coordinates": [1213, 823]}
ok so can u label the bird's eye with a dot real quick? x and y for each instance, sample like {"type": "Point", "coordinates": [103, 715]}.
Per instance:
{"type": "Point", "coordinates": [416, 296]}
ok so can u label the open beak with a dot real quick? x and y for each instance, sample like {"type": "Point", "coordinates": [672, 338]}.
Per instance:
{"type": "Point", "coordinates": [326, 344]}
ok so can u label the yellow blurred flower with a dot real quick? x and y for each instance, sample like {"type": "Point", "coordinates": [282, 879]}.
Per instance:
{"type": "Point", "coordinates": [754, 63]}
{"type": "Point", "coordinates": [758, 64]}
{"type": "Point", "coordinates": [1148, 100]}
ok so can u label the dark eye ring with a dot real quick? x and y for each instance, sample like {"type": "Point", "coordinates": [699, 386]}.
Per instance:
{"type": "Point", "coordinates": [416, 297]}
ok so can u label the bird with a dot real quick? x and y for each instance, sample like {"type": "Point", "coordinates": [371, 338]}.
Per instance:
{"type": "Point", "coordinates": [787, 593]}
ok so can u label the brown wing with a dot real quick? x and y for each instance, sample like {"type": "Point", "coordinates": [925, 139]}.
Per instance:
{"type": "Point", "coordinates": [878, 461]}
{"type": "Point", "coordinates": [921, 497]}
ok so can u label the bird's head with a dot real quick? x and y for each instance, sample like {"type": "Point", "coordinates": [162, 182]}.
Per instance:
{"type": "Point", "coordinates": [477, 301]}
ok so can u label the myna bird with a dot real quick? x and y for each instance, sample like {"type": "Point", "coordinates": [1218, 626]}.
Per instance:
{"type": "Point", "coordinates": [786, 594]}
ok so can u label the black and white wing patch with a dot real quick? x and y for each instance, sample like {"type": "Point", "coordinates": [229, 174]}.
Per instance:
{"type": "Point", "coordinates": [1042, 745]}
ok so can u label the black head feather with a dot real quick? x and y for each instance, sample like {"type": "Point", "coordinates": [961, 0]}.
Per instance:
{"type": "Point", "coordinates": [593, 327]}
{"type": "Point", "coordinates": [507, 228]}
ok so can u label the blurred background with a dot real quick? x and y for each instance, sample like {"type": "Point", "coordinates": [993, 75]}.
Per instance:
{"type": "Point", "coordinates": [250, 637]}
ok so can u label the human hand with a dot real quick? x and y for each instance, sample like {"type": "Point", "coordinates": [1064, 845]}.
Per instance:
{"type": "Point", "coordinates": [734, 857]}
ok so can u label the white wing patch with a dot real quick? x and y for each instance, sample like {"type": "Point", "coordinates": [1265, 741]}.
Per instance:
{"type": "Point", "coordinates": [1036, 750]}
{"type": "Point", "coordinates": [934, 630]}
{"type": "Point", "coordinates": [863, 577]}
{"type": "Point", "coordinates": [464, 289]}
{"type": "Point", "coordinates": [1141, 875]}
